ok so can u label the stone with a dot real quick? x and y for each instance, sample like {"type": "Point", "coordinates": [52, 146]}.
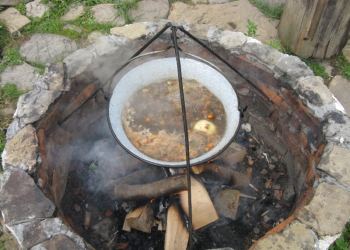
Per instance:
{"type": "Point", "coordinates": [104, 13]}
{"type": "Point", "coordinates": [23, 76]}
{"type": "Point", "coordinates": [265, 53]}
{"type": "Point", "coordinates": [218, 1]}
{"type": "Point", "coordinates": [72, 27]}
{"type": "Point", "coordinates": [13, 20]}
{"type": "Point", "coordinates": [337, 130]}
{"type": "Point", "coordinates": [296, 236]}
{"type": "Point", "coordinates": [34, 233]}
{"type": "Point", "coordinates": [346, 50]}
{"type": "Point", "coordinates": [109, 51]}
{"type": "Point", "coordinates": [92, 37]}
{"type": "Point", "coordinates": [328, 211]}
{"type": "Point", "coordinates": [22, 200]}
{"type": "Point", "coordinates": [233, 17]}
{"type": "Point", "coordinates": [36, 9]}
{"type": "Point", "coordinates": [59, 241]}
{"type": "Point", "coordinates": [10, 2]}
{"type": "Point", "coordinates": [200, 1]}
{"type": "Point", "coordinates": [55, 77]}
{"type": "Point", "coordinates": [340, 87]}
{"type": "Point", "coordinates": [21, 150]}
{"type": "Point", "coordinates": [232, 40]}
{"type": "Point", "coordinates": [315, 91]}
{"type": "Point", "coordinates": [33, 105]}
{"type": "Point", "coordinates": [47, 48]}
{"type": "Point", "coordinates": [133, 31]}
{"type": "Point", "coordinates": [291, 68]}
{"type": "Point", "coordinates": [336, 164]}
{"type": "Point", "coordinates": [14, 128]}
{"type": "Point", "coordinates": [150, 11]}
{"type": "Point", "coordinates": [73, 13]}
{"type": "Point", "coordinates": [288, 193]}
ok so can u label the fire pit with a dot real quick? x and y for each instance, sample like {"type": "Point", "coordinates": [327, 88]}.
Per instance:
{"type": "Point", "coordinates": [291, 120]}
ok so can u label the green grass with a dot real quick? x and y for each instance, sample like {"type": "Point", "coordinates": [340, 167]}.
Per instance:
{"type": "Point", "coordinates": [271, 12]}
{"type": "Point", "coordinates": [343, 242]}
{"type": "Point", "coordinates": [276, 44]}
{"type": "Point", "coordinates": [318, 69]}
{"type": "Point", "coordinates": [9, 93]}
{"type": "Point", "coordinates": [344, 65]}
{"type": "Point", "coordinates": [5, 36]}
{"type": "Point", "coordinates": [252, 28]}
{"type": "Point", "coordinates": [11, 58]}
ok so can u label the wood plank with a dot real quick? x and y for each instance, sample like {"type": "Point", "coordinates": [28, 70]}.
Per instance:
{"type": "Point", "coordinates": [176, 235]}
{"type": "Point", "coordinates": [315, 28]}
{"type": "Point", "coordinates": [203, 210]}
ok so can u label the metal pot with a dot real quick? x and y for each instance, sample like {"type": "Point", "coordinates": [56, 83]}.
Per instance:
{"type": "Point", "coordinates": [164, 69]}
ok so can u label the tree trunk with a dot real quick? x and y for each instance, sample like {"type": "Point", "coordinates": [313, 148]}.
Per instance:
{"type": "Point", "coordinates": [315, 28]}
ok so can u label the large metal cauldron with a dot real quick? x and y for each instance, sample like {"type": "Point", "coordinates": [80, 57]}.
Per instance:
{"type": "Point", "coordinates": [164, 69]}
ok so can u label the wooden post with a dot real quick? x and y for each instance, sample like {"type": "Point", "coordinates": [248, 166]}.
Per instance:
{"type": "Point", "coordinates": [315, 28]}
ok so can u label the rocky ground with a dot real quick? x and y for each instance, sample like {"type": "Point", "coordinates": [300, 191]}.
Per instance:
{"type": "Point", "coordinates": [222, 14]}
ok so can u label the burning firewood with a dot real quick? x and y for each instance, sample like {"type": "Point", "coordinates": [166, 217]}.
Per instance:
{"type": "Point", "coordinates": [148, 191]}
{"type": "Point", "coordinates": [149, 174]}
{"type": "Point", "coordinates": [176, 236]}
{"type": "Point", "coordinates": [203, 210]}
{"type": "Point", "coordinates": [142, 218]}
{"type": "Point", "coordinates": [224, 175]}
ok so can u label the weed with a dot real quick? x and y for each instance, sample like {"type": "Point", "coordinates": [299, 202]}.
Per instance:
{"type": "Point", "coordinates": [343, 242]}
{"type": "Point", "coordinates": [40, 67]}
{"type": "Point", "coordinates": [276, 44]}
{"type": "Point", "coordinates": [252, 28]}
{"type": "Point", "coordinates": [271, 12]}
{"type": "Point", "coordinates": [318, 69]}
{"type": "Point", "coordinates": [124, 8]}
{"type": "Point", "coordinates": [343, 64]}
{"type": "Point", "coordinates": [11, 58]}
{"type": "Point", "coordinates": [9, 93]}
{"type": "Point", "coordinates": [5, 36]}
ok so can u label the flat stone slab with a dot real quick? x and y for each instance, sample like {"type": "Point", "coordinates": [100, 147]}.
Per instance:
{"type": "Point", "coordinates": [55, 77]}
{"type": "Point", "coordinates": [47, 48]}
{"type": "Point", "coordinates": [340, 87]}
{"type": "Point", "coordinates": [36, 9]}
{"type": "Point", "coordinates": [59, 241]}
{"type": "Point", "coordinates": [21, 150]}
{"type": "Point", "coordinates": [296, 236]}
{"type": "Point", "coordinates": [73, 13]}
{"type": "Point", "coordinates": [23, 76]}
{"type": "Point", "coordinates": [14, 20]}
{"type": "Point", "coordinates": [22, 200]}
{"type": "Point", "coordinates": [231, 16]}
{"type": "Point", "coordinates": [10, 2]}
{"type": "Point", "coordinates": [33, 105]}
{"type": "Point", "coordinates": [132, 31]}
{"type": "Point", "coordinates": [346, 50]}
{"type": "Point", "coordinates": [34, 234]}
{"type": "Point", "coordinates": [336, 164]}
{"type": "Point", "coordinates": [150, 10]}
{"type": "Point", "coordinates": [104, 13]}
{"type": "Point", "coordinates": [328, 210]}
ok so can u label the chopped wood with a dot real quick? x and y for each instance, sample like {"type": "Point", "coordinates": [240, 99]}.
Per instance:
{"type": "Point", "coordinates": [148, 191]}
{"type": "Point", "coordinates": [233, 154]}
{"type": "Point", "coordinates": [268, 183]}
{"type": "Point", "coordinates": [224, 175]}
{"type": "Point", "coordinates": [257, 190]}
{"type": "Point", "coordinates": [247, 196]}
{"type": "Point", "coordinates": [142, 218]}
{"type": "Point", "coordinates": [176, 235]}
{"type": "Point", "coordinates": [149, 174]}
{"type": "Point", "coordinates": [203, 210]}
{"type": "Point", "coordinates": [87, 219]}
{"type": "Point", "coordinates": [226, 203]}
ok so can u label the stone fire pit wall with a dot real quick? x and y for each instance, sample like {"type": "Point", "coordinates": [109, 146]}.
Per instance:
{"type": "Point", "coordinates": [291, 108]}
